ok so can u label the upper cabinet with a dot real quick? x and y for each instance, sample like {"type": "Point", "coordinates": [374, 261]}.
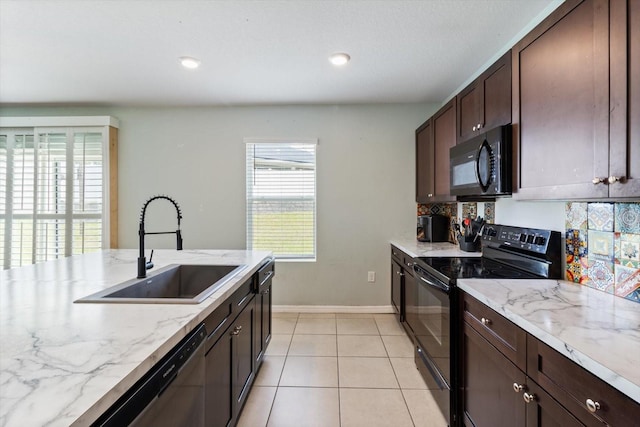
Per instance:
{"type": "Point", "coordinates": [433, 140]}
{"type": "Point", "coordinates": [486, 102]}
{"type": "Point", "coordinates": [576, 103]}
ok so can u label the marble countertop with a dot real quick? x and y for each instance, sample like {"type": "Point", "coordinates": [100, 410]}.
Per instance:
{"type": "Point", "coordinates": [596, 330]}
{"type": "Point", "coordinates": [63, 363]}
{"type": "Point", "coordinates": [412, 247]}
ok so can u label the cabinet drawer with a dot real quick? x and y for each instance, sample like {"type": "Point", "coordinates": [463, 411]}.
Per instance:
{"type": "Point", "coordinates": [265, 273]}
{"type": "Point", "coordinates": [503, 334]}
{"type": "Point", "coordinates": [217, 322]}
{"type": "Point", "coordinates": [241, 297]}
{"type": "Point", "coordinates": [403, 259]}
{"type": "Point", "coordinates": [573, 387]}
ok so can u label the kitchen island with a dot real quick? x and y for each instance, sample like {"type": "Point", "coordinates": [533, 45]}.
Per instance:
{"type": "Point", "coordinates": [64, 363]}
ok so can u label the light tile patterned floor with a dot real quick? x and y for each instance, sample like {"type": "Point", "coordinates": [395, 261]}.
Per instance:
{"type": "Point", "coordinates": [342, 370]}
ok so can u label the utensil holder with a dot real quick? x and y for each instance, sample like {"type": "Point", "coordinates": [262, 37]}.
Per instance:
{"type": "Point", "coordinates": [470, 246]}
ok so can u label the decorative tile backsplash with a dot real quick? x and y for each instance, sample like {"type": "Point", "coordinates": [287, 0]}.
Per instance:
{"type": "Point", "coordinates": [603, 247]}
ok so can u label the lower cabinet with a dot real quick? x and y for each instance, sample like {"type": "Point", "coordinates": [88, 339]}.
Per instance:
{"type": "Point", "coordinates": [264, 302]}
{"type": "Point", "coordinates": [239, 331]}
{"type": "Point", "coordinates": [511, 381]}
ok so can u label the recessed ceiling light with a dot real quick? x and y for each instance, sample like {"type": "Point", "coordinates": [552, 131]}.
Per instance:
{"type": "Point", "coordinates": [339, 58]}
{"type": "Point", "coordinates": [189, 62]}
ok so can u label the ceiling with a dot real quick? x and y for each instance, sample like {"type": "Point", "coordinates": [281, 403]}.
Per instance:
{"type": "Point", "coordinates": [125, 53]}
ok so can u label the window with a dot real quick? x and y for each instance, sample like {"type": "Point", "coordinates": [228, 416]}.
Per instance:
{"type": "Point", "coordinates": [281, 197]}
{"type": "Point", "coordinates": [51, 193]}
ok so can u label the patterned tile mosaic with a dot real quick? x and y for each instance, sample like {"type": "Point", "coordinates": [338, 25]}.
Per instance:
{"type": "Point", "coordinates": [576, 216]}
{"type": "Point", "coordinates": [603, 247]}
{"type": "Point", "coordinates": [470, 210]}
{"type": "Point", "coordinates": [489, 212]}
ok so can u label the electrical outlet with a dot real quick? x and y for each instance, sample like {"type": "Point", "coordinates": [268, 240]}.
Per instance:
{"type": "Point", "coordinates": [371, 276]}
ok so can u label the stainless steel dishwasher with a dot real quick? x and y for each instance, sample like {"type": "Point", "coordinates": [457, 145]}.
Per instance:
{"type": "Point", "coordinates": [170, 394]}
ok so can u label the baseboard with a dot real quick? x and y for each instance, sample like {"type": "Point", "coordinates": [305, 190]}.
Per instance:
{"type": "Point", "coordinates": [376, 309]}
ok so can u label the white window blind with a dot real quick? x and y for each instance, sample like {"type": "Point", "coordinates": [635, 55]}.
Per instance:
{"type": "Point", "coordinates": [51, 193]}
{"type": "Point", "coordinates": [281, 197]}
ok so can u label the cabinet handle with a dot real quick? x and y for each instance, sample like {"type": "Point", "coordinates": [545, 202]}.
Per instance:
{"type": "Point", "coordinates": [529, 397]}
{"type": "Point", "coordinates": [597, 180]}
{"type": "Point", "coordinates": [592, 406]}
{"type": "Point", "coordinates": [485, 321]}
{"type": "Point", "coordinates": [613, 179]}
{"type": "Point", "coordinates": [409, 264]}
{"type": "Point", "coordinates": [400, 273]}
{"type": "Point", "coordinates": [479, 126]}
{"type": "Point", "coordinates": [518, 387]}
{"type": "Point", "coordinates": [430, 195]}
{"type": "Point", "coordinates": [236, 330]}
{"type": "Point", "coordinates": [267, 291]}
{"type": "Point", "coordinates": [474, 128]}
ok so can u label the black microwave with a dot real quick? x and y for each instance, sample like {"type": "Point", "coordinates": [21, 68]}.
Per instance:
{"type": "Point", "coordinates": [481, 167]}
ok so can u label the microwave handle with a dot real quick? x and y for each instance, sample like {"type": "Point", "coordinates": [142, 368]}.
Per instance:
{"type": "Point", "coordinates": [483, 185]}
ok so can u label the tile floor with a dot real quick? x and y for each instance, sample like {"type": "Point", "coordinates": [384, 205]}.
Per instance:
{"type": "Point", "coordinates": [343, 370]}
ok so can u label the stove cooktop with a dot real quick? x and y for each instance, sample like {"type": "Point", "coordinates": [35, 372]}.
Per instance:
{"type": "Point", "coordinates": [473, 268]}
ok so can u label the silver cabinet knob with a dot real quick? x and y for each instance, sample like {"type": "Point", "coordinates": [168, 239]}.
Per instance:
{"type": "Point", "coordinates": [236, 330]}
{"type": "Point", "coordinates": [598, 180]}
{"type": "Point", "coordinates": [614, 179]}
{"type": "Point", "coordinates": [479, 126]}
{"type": "Point", "coordinates": [529, 397]}
{"type": "Point", "coordinates": [409, 264]}
{"type": "Point", "coordinates": [592, 406]}
{"type": "Point", "coordinates": [485, 321]}
{"type": "Point", "coordinates": [474, 128]}
{"type": "Point", "coordinates": [430, 195]}
{"type": "Point", "coordinates": [518, 387]}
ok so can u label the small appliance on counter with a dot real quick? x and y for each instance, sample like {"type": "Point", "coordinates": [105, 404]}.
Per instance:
{"type": "Point", "coordinates": [433, 228]}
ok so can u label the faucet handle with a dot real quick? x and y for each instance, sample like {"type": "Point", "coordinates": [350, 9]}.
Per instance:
{"type": "Point", "coordinates": [178, 240]}
{"type": "Point", "coordinates": [149, 264]}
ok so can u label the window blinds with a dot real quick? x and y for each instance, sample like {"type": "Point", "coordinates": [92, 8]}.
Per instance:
{"type": "Point", "coordinates": [51, 198]}
{"type": "Point", "coordinates": [281, 197]}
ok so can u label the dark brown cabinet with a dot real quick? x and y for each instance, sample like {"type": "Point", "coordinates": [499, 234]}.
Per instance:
{"type": "Point", "coordinates": [433, 140]}
{"type": "Point", "coordinates": [510, 378]}
{"type": "Point", "coordinates": [263, 290]}
{"type": "Point", "coordinates": [486, 102]}
{"type": "Point", "coordinates": [404, 293]}
{"type": "Point", "coordinates": [574, 98]}
{"type": "Point", "coordinates": [237, 329]}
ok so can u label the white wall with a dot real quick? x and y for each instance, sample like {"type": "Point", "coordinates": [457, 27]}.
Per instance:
{"type": "Point", "coordinates": [366, 174]}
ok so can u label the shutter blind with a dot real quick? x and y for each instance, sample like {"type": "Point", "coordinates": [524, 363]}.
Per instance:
{"type": "Point", "coordinates": [51, 194]}
{"type": "Point", "coordinates": [281, 198]}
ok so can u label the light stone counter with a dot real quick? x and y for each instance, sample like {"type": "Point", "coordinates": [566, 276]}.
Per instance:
{"type": "Point", "coordinates": [63, 363]}
{"type": "Point", "coordinates": [596, 330]}
{"type": "Point", "coordinates": [412, 247]}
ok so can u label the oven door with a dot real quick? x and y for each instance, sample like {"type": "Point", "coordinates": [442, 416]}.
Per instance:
{"type": "Point", "coordinates": [433, 337]}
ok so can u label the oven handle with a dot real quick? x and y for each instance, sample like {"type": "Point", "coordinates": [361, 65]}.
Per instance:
{"type": "Point", "coordinates": [443, 287]}
{"type": "Point", "coordinates": [437, 377]}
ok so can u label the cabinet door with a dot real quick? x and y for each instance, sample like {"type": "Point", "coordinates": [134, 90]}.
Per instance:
{"type": "Point", "coordinates": [265, 333]}
{"type": "Point", "coordinates": [396, 288]}
{"type": "Point", "coordinates": [242, 356]}
{"type": "Point", "coordinates": [488, 378]}
{"type": "Point", "coordinates": [469, 102]}
{"type": "Point", "coordinates": [424, 163]}
{"type": "Point", "coordinates": [561, 103]}
{"type": "Point", "coordinates": [496, 91]}
{"type": "Point", "coordinates": [544, 411]}
{"type": "Point", "coordinates": [411, 301]}
{"type": "Point", "coordinates": [218, 402]}
{"type": "Point", "coordinates": [625, 99]}
{"type": "Point", "coordinates": [444, 137]}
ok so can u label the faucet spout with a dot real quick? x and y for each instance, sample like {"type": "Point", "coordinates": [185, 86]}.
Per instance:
{"type": "Point", "coordinates": [142, 262]}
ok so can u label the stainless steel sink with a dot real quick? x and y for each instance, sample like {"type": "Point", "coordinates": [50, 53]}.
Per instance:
{"type": "Point", "coordinates": [174, 284]}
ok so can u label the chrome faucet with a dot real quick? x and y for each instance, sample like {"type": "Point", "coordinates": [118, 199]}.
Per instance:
{"type": "Point", "coordinates": [143, 266]}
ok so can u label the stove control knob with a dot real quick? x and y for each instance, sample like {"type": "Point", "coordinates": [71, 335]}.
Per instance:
{"type": "Point", "coordinates": [523, 237]}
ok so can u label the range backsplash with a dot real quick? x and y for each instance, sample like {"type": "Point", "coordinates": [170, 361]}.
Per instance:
{"type": "Point", "coordinates": [602, 242]}
{"type": "Point", "coordinates": [603, 247]}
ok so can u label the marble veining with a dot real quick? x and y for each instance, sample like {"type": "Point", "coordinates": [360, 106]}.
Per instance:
{"type": "Point", "coordinates": [63, 363]}
{"type": "Point", "coordinates": [596, 330]}
{"type": "Point", "coordinates": [413, 248]}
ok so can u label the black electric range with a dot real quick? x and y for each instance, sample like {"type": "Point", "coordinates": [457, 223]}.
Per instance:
{"type": "Point", "coordinates": [507, 253]}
